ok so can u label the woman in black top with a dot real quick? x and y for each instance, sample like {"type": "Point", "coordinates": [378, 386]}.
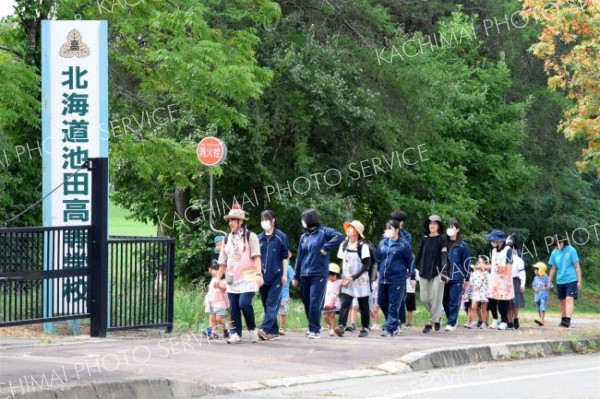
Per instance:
{"type": "Point", "coordinates": [431, 260]}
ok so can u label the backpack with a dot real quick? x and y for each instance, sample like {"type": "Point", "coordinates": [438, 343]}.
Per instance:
{"type": "Point", "coordinates": [359, 248]}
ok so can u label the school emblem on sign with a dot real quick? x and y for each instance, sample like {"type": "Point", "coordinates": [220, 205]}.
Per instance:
{"type": "Point", "coordinates": [74, 47]}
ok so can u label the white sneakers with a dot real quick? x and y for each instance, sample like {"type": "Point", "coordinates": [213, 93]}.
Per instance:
{"type": "Point", "coordinates": [253, 336]}
{"type": "Point", "coordinates": [313, 335]}
{"type": "Point", "coordinates": [495, 324]}
{"type": "Point", "coordinates": [502, 326]}
{"type": "Point", "coordinates": [449, 328]}
{"type": "Point", "coordinates": [234, 339]}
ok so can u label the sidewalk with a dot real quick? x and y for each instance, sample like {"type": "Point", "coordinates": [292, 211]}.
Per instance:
{"type": "Point", "coordinates": [31, 367]}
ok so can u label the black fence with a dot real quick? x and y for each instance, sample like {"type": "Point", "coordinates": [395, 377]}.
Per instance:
{"type": "Point", "coordinates": [141, 275]}
{"type": "Point", "coordinates": [74, 272]}
{"type": "Point", "coordinates": [44, 274]}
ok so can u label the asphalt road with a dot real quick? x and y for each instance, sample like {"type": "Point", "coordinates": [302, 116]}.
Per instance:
{"type": "Point", "coordinates": [575, 376]}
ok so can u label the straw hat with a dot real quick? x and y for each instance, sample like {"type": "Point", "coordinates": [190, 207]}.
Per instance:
{"type": "Point", "coordinates": [236, 212]}
{"type": "Point", "coordinates": [335, 268]}
{"type": "Point", "coordinates": [358, 226]}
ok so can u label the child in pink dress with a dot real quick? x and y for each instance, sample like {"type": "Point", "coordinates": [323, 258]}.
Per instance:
{"type": "Point", "coordinates": [332, 305]}
{"type": "Point", "coordinates": [216, 303]}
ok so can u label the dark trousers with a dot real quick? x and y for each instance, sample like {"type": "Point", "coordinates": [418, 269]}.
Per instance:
{"type": "Point", "coordinates": [242, 304]}
{"type": "Point", "coordinates": [451, 301]}
{"type": "Point", "coordinates": [313, 295]}
{"type": "Point", "coordinates": [503, 307]}
{"type": "Point", "coordinates": [402, 314]}
{"type": "Point", "coordinates": [493, 308]}
{"type": "Point", "coordinates": [363, 305]}
{"type": "Point", "coordinates": [389, 298]}
{"type": "Point", "coordinates": [270, 295]}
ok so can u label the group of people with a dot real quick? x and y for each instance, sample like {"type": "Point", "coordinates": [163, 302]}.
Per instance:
{"type": "Point", "coordinates": [374, 278]}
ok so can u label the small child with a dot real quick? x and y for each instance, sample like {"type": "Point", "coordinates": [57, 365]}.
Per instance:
{"type": "Point", "coordinates": [410, 302]}
{"type": "Point", "coordinates": [466, 301]}
{"type": "Point", "coordinates": [479, 300]}
{"type": "Point", "coordinates": [216, 303]}
{"type": "Point", "coordinates": [332, 305]}
{"type": "Point", "coordinates": [540, 286]}
{"type": "Point", "coordinates": [285, 297]}
{"type": "Point", "coordinates": [374, 304]}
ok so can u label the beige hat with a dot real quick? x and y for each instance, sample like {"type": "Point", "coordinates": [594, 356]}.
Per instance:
{"type": "Point", "coordinates": [335, 268]}
{"type": "Point", "coordinates": [236, 212]}
{"type": "Point", "coordinates": [358, 226]}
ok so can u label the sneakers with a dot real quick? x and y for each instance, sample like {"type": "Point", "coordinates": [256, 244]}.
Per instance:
{"type": "Point", "coordinates": [479, 323]}
{"type": "Point", "coordinates": [386, 333]}
{"type": "Point", "coordinates": [351, 327]}
{"type": "Point", "coordinates": [397, 332]}
{"type": "Point", "coordinates": [495, 323]}
{"type": "Point", "coordinates": [312, 335]}
{"type": "Point", "coordinates": [281, 331]}
{"type": "Point", "coordinates": [253, 336]}
{"type": "Point", "coordinates": [502, 326]}
{"type": "Point", "coordinates": [483, 326]}
{"type": "Point", "coordinates": [262, 334]}
{"type": "Point", "coordinates": [539, 323]}
{"type": "Point", "coordinates": [565, 322]}
{"type": "Point", "coordinates": [331, 332]}
{"type": "Point", "coordinates": [376, 327]}
{"type": "Point", "coordinates": [363, 333]}
{"type": "Point", "coordinates": [339, 331]}
{"type": "Point", "coordinates": [234, 339]}
{"type": "Point", "coordinates": [272, 337]}
{"type": "Point", "coordinates": [516, 323]}
{"type": "Point", "coordinates": [449, 328]}
{"type": "Point", "coordinates": [307, 333]}
{"type": "Point", "coordinates": [437, 326]}
{"type": "Point", "coordinates": [472, 326]}
{"type": "Point", "coordinates": [510, 326]}
{"type": "Point", "coordinates": [427, 329]}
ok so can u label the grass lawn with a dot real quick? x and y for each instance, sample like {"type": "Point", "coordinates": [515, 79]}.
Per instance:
{"type": "Point", "coordinates": [120, 225]}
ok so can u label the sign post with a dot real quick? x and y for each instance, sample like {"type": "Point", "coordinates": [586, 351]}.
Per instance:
{"type": "Point", "coordinates": [211, 151]}
{"type": "Point", "coordinates": [74, 108]}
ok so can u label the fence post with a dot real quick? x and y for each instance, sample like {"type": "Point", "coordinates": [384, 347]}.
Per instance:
{"type": "Point", "coordinates": [171, 285]}
{"type": "Point", "coordinates": [98, 248]}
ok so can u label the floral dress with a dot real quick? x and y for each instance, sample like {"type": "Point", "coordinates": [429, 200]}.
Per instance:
{"type": "Point", "coordinates": [479, 286]}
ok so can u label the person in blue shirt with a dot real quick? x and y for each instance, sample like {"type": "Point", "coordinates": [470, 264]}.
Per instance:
{"type": "Point", "coordinates": [274, 249]}
{"type": "Point", "coordinates": [285, 297]}
{"type": "Point", "coordinates": [396, 261]}
{"type": "Point", "coordinates": [312, 266]}
{"type": "Point", "coordinates": [564, 262]}
{"type": "Point", "coordinates": [459, 268]}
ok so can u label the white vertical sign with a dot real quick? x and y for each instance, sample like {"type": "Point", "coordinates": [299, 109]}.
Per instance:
{"type": "Point", "coordinates": [74, 107]}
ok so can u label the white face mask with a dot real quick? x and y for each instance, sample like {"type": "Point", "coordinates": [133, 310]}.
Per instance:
{"type": "Point", "coordinates": [266, 225]}
{"type": "Point", "coordinates": [388, 233]}
{"type": "Point", "coordinates": [304, 226]}
{"type": "Point", "coordinates": [451, 232]}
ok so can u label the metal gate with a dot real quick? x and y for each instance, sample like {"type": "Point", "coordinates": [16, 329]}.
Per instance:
{"type": "Point", "coordinates": [141, 274]}
{"type": "Point", "coordinates": [44, 274]}
{"type": "Point", "coordinates": [52, 274]}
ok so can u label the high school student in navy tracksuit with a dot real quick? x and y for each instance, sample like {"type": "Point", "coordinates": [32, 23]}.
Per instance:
{"type": "Point", "coordinates": [396, 262]}
{"type": "Point", "coordinates": [312, 266]}
{"type": "Point", "coordinates": [274, 252]}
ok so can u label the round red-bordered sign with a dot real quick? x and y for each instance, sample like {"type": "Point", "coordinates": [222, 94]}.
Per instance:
{"type": "Point", "coordinates": [211, 151]}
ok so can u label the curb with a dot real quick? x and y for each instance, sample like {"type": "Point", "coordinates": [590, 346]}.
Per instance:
{"type": "Point", "coordinates": [436, 358]}
{"type": "Point", "coordinates": [415, 361]}
{"type": "Point", "coordinates": [127, 389]}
